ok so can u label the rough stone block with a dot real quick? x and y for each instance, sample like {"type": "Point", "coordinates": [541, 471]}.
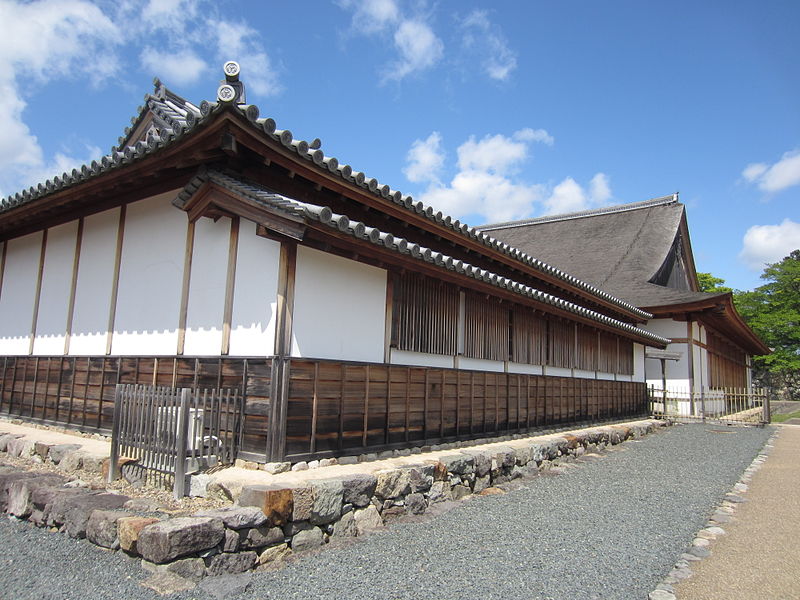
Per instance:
{"type": "Point", "coordinates": [258, 537]}
{"type": "Point", "coordinates": [357, 489]}
{"type": "Point", "coordinates": [274, 468]}
{"type": "Point", "coordinates": [226, 586]}
{"type": "Point", "coordinates": [481, 483]}
{"type": "Point", "coordinates": [393, 483]}
{"type": "Point", "coordinates": [79, 508]}
{"type": "Point", "coordinates": [274, 501]}
{"type": "Point", "coordinates": [192, 569]}
{"type": "Point", "coordinates": [367, 519]}
{"type": "Point", "coordinates": [303, 499]}
{"type": "Point", "coordinates": [21, 447]}
{"type": "Point", "coordinates": [440, 491]}
{"type": "Point", "coordinates": [146, 505]}
{"type": "Point", "coordinates": [415, 503]}
{"type": "Point", "coordinates": [93, 463]}
{"type": "Point", "coordinates": [72, 461]}
{"type": "Point", "coordinates": [226, 564]}
{"type": "Point", "coordinates": [198, 485]}
{"type": "Point", "coordinates": [274, 553]}
{"type": "Point", "coordinates": [128, 529]}
{"type": "Point", "coordinates": [166, 540]}
{"type": "Point", "coordinates": [327, 505]}
{"type": "Point", "coordinates": [5, 439]}
{"type": "Point", "coordinates": [102, 527]}
{"type": "Point", "coordinates": [459, 491]}
{"type": "Point", "coordinates": [19, 501]}
{"type": "Point", "coordinates": [58, 451]}
{"type": "Point", "coordinates": [42, 449]}
{"type": "Point", "coordinates": [237, 517]}
{"type": "Point", "coordinates": [346, 526]}
{"type": "Point", "coordinates": [168, 583]}
{"type": "Point", "coordinates": [482, 461]}
{"type": "Point", "coordinates": [308, 539]}
{"type": "Point", "coordinates": [460, 464]}
{"type": "Point", "coordinates": [230, 542]}
{"type": "Point", "coordinates": [6, 480]}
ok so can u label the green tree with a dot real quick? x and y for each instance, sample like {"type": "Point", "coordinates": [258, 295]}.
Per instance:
{"type": "Point", "coordinates": [709, 283]}
{"type": "Point", "coordinates": [773, 312]}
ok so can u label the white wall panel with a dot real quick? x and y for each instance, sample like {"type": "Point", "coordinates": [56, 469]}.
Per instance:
{"type": "Point", "coordinates": [479, 364]}
{"type": "Point", "coordinates": [255, 294]}
{"type": "Point", "coordinates": [339, 308]}
{"type": "Point", "coordinates": [580, 374]}
{"type": "Point", "coordinates": [524, 368]}
{"type": "Point", "coordinates": [606, 376]}
{"type": "Point", "coordinates": [558, 371]}
{"type": "Point", "coordinates": [666, 328]}
{"type": "Point", "coordinates": [18, 293]}
{"type": "Point", "coordinates": [420, 359]}
{"type": "Point", "coordinates": [638, 362]}
{"type": "Point", "coordinates": [95, 280]}
{"type": "Point", "coordinates": [51, 325]}
{"type": "Point", "coordinates": [206, 304]}
{"type": "Point", "coordinates": [151, 277]}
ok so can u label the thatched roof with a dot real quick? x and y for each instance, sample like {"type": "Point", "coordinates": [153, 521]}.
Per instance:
{"type": "Point", "coordinates": [620, 249]}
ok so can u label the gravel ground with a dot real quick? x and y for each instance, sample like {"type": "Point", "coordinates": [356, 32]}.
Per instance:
{"type": "Point", "coordinates": [606, 530]}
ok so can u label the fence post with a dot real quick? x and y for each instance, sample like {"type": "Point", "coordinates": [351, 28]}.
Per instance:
{"type": "Point", "coordinates": [180, 452]}
{"type": "Point", "coordinates": [766, 408]}
{"type": "Point", "coordinates": [113, 466]}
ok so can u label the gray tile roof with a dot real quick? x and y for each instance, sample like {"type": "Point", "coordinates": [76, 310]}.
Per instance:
{"type": "Point", "coordinates": [174, 118]}
{"type": "Point", "coordinates": [357, 229]}
{"type": "Point", "coordinates": [617, 248]}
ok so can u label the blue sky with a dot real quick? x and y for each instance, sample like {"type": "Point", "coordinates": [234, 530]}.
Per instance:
{"type": "Point", "coordinates": [490, 111]}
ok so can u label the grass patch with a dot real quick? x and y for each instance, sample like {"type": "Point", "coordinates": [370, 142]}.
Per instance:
{"type": "Point", "coordinates": [780, 418]}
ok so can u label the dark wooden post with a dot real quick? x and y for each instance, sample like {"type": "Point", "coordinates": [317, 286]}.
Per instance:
{"type": "Point", "coordinates": [279, 393]}
{"type": "Point", "coordinates": [179, 488]}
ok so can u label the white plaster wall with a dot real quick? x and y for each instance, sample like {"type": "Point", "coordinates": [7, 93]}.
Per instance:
{"type": "Point", "coordinates": [480, 364]}
{"type": "Point", "coordinates": [18, 293]}
{"type": "Point", "coordinates": [51, 324]}
{"type": "Point", "coordinates": [95, 280]}
{"type": "Point", "coordinates": [667, 328]}
{"type": "Point", "coordinates": [606, 376]}
{"type": "Point", "coordinates": [339, 308]}
{"type": "Point", "coordinates": [672, 384]}
{"type": "Point", "coordinates": [638, 362]}
{"type": "Point", "coordinates": [624, 377]}
{"type": "Point", "coordinates": [420, 359]}
{"type": "Point", "coordinates": [255, 294]}
{"type": "Point", "coordinates": [151, 277]}
{"type": "Point", "coordinates": [676, 370]}
{"type": "Point", "coordinates": [524, 368]}
{"type": "Point", "coordinates": [206, 300]}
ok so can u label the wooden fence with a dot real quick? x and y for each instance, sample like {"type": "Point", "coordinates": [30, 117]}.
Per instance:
{"type": "Point", "coordinates": [173, 431]}
{"type": "Point", "coordinates": [78, 391]}
{"type": "Point", "coordinates": [742, 406]}
{"type": "Point", "coordinates": [337, 408]}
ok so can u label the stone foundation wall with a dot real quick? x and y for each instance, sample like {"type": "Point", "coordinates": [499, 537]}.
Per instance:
{"type": "Point", "coordinates": [269, 522]}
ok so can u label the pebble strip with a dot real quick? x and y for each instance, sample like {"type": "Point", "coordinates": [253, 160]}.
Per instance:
{"type": "Point", "coordinates": [702, 543]}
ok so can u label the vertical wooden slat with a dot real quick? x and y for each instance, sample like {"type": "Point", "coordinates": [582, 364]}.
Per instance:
{"type": "Point", "coordinates": [425, 408]}
{"type": "Point", "coordinates": [408, 403]}
{"type": "Point", "coordinates": [342, 378]}
{"type": "Point", "coordinates": [388, 404]}
{"type": "Point", "coordinates": [366, 407]}
{"type": "Point", "coordinates": [387, 330]}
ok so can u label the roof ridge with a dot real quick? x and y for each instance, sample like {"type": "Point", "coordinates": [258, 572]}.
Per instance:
{"type": "Point", "coordinates": [605, 210]}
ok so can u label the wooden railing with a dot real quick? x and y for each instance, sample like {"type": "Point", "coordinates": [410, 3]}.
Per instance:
{"type": "Point", "coordinates": [727, 405]}
{"type": "Point", "coordinates": [170, 432]}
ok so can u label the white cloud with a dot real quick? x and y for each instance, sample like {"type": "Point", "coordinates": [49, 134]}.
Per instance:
{"type": "Point", "coordinates": [237, 41]}
{"type": "Point", "coordinates": [773, 178]}
{"type": "Point", "coordinates": [764, 244]}
{"type": "Point", "coordinates": [372, 16]}
{"type": "Point", "coordinates": [485, 184]}
{"type": "Point", "coordinates": [41, 41]}
{"type": "Point", "coordinates": [425, 159]}
{"type": "Point", "coordinates": [182, 67]}
{"type": "Point", "coordinates": [419, 49]}
{"type": "Point", "coordinates": [485, 41]}
{"type": "Point", "coordinates": [570, 196]}
{"type": "Point", "coordinates": [49, 40]}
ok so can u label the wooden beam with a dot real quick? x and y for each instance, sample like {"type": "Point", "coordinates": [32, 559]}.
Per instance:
{"type": "Point", "coordinates": [387, 329]}
{"type": "Point", "coordinates": [187, 274]}
{"type": "Point", "coordinates": [112, 311]}
{"type": "Point", "coordinates": [3, 266]}
{"type": "Point", "coordinates": [73, 285]}
{"type": "Point", "coordinates": [38, 294]}
{"type": "Point", "coordinates": [230, 283]}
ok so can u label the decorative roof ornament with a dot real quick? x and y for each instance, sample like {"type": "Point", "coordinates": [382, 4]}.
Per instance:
{"type": "Point", "coordinates": [231, 90]}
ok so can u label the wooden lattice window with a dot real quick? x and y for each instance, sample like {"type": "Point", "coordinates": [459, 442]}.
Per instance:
{"type": "Point", "coordinates": [529, 336]}
{"type": "Point", "coordinates": [561, 343]}
{"type": "Point", "coordinates": [425, 315]}
{"type": "Point", "coordinates": [486, 327]}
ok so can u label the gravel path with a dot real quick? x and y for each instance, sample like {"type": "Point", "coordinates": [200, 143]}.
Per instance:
{"type": "Point", "coordinates": [606, 530]}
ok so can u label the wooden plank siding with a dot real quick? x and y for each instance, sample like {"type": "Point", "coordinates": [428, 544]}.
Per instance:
{"type": "Point", "coordinates": [727, 364]}
{"type": "Point", "coordinates": [337, 408]}
{"type": "Point", "coordinates": [78, 391]}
